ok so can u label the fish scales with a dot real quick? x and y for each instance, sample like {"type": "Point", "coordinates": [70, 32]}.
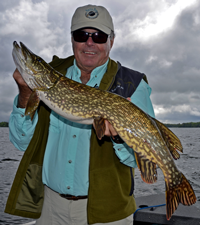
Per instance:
{"type": "Point", "coordinates": [103, 104]}
{"type": "Point", "coordinates": [153, 143]}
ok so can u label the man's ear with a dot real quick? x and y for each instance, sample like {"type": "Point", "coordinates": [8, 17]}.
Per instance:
{"type": "Point", "coordinates": [111, 42]}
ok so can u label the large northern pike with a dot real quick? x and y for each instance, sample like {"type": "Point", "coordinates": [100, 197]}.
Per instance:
{"type": "Point", "coordinates": [153, 143]}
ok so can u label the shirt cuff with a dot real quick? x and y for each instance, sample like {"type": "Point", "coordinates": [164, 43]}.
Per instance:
{"type": "Point", "coordinates": [125, 154]}
{"type": "Point", "coordinates": [21, 128]}
{"type": "Point", "coordinates": [16, 110]}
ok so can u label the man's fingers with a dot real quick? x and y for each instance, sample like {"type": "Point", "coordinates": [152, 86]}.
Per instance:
{"type": "Point", "coordinates": [18, 78]}
{"type": "Point", "coordinates": [110, 130]}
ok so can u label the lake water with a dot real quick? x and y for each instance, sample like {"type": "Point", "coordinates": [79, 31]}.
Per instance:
{"type": "Point", "coordinates": [189, 164]}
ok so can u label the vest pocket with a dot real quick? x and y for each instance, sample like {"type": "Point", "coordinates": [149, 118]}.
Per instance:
{"type": "Point", "coordinates": [110, 194]}
{"type": "Point", "coordinates": [31, 195]}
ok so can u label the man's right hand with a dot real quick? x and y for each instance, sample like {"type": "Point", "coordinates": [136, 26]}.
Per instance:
{"type": "Point", "coordinates": [24, 90]}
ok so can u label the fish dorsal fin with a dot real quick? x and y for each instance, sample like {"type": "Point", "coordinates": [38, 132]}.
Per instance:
{"type": "Point", "coordinates": [32, 104]}
{"type": "Point", "coordinates": [147, 168]}
{"type": "Point", "coordinates": [172, 141]}
{"type": "Point", "coordinates": [100, 127]}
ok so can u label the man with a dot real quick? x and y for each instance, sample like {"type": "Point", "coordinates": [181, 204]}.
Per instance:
{"type": "Point", "coordinates": [66, 174]}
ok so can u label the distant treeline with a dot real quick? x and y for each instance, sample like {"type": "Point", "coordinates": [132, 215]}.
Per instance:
{"type": "Point", "coordinates": [191, 124]}
{"type": "Point", "coordinates": [3, 124]}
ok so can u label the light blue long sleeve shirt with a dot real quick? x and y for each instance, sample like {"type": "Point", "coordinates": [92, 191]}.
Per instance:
{"type": "Point", "coordinates": [66, 160]}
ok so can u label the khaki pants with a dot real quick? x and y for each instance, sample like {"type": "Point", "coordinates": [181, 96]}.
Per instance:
{"type": "Point", "coordinates": [60, 211]}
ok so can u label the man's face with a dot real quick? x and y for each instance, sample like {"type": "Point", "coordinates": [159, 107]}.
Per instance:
{"type": "Point", "coordinates": [90, 55]}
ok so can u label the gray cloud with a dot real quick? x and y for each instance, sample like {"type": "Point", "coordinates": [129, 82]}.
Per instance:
{"type": "Point", "coordinates": [170, 59]}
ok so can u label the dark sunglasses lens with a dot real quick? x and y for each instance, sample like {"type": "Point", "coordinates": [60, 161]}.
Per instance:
{"type": "Point", "coordinates": [99, 37]}
{"type": "Point", "coordinates": [80, 36]}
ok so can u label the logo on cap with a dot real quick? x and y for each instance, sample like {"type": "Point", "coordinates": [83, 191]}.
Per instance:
{"type": "Point", "coordinates": [91, 13]}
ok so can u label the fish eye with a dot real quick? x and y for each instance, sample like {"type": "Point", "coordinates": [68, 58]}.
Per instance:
{"type": "Point", "coordinates": [39, 59]}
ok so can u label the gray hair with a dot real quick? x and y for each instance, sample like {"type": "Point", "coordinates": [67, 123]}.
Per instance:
{"type": "Point", "coordinates": [112, 35]}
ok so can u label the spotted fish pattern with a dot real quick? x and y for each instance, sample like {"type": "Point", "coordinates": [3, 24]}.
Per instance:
{"type": "Point", "coordinates": [152, 142]}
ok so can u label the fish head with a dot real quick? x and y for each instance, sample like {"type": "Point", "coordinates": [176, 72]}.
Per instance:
{"type": "Point", "coordinates": [34, 70]}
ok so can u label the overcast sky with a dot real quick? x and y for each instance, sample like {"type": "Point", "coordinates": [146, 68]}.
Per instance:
{"type": "Point", "coordinates": [160, 38]}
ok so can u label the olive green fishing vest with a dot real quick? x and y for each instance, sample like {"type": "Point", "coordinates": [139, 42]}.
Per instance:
{"type": "Point", "coordinates": [110, 195]}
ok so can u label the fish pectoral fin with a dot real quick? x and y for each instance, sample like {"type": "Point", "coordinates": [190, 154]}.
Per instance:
{"type": "Point", "coordinates": [172, 141]}
{"type": "Point", "coordinates": [32, 104]}
{"type": "Point", "coordinates": [182, 193]}
{"type": "Point", "coordinates": [147, 168]}
{"type": "Point", "coordinates": [100, 127]}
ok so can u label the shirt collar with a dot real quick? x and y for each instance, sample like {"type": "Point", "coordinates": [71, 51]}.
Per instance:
{"type": "Point", "coordinates": [97, 71]}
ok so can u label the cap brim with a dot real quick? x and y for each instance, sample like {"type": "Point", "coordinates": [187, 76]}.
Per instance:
{"type": "Point", "coordinates": [93, 25]}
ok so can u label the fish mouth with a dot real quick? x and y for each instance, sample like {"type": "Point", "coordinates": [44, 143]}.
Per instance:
{"type": "Point", "coordinates": [18, 56]}
{"type": "Point", "coordinates": [23, 57]}
{"type": "Point", "coordinates": [21, 54]}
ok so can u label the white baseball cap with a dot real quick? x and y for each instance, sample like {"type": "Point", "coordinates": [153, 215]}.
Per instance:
{"type": "Point", "coordinates": [92, 16]}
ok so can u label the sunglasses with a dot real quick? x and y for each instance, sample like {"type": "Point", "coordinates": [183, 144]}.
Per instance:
{"type": "Point", "coordinates": [97, 37]}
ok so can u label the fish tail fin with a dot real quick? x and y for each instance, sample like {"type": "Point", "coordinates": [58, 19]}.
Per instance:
{"type": "Point", "coordinates": [181, 193]}
{"type": "Point", "coordinates": [185, 192]}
